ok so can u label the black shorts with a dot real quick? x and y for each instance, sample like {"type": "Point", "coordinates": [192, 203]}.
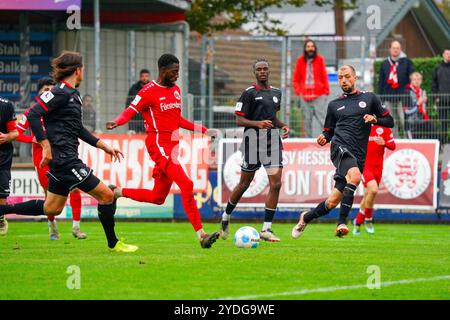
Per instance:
{"type": "Point", "coordinates": [252, 160]}
{"type": "Point", "coordinates": [75, 175]}
{"type": "Point", "coordinates": [5, 183]}
{"type": "Point", "coordinates": [343, 160]}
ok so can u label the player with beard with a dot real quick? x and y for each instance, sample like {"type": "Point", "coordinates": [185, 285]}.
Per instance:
{"type": "Point", "coordinates": [347, 126]}
{"type": "Point", "coordinates": [60, 111]}
{"type": "Point", "coordinates": [257, 110]}
{"type": "Point", "coordinates": [159, 102]}
{"type": "Point", "coordinates": [310, 83]}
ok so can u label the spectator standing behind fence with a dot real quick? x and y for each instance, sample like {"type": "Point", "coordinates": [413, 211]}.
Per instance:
{"type": "Point", "coordinates": [137, 124]}
{"type": "Point", "coordinates": [416, 117]}
{"type": "Point", "coordinates": [394, 78]}
{"type": "Point", "coordinates": [441, 87]}
{"type": "Point", "coordinates": [89, 115]}
{"type": "Point", "coordinates": [310, 82]}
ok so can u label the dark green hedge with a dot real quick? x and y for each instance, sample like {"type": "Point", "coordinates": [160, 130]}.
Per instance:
{"type": "Point", "coordinates": [423, 65]}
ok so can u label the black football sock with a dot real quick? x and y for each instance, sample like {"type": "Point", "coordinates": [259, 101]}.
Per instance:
{"type": "Point", "coordinates": [228, 210]}
{"type": "Point", "coordinates": [346, 203]}
{"type": "Point", "coordinates": [268, 216]}
{"type": "Point", "coordinates": [317, 212]}
{"type": "Point", "coordinates": [28, 208]}
{"type": "Point", "coordinates": [230, 207]}
{"type": "Point", "coordinates": [106, 215]}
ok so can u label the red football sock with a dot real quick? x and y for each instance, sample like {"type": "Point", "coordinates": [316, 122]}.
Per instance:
{"type": "Point", "coordinates": [145, 195]}
{"type": "Point", "coordinates": [368, 212]}
{"type": "Point", "coordinates": [75, 203]}
{"type": "Point", "coordinates": [359, 218]}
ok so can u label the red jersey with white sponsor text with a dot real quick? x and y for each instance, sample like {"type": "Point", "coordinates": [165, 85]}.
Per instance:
{"type": "Point", "coordinates": [375, 152]}
{"type": "Point", "coordinates": [161, 109]}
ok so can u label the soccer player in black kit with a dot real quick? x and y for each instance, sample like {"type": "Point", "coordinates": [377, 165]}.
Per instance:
{"type": "Point", "coordinates": [261, 145]}
{"type": "Point", "coordinates": [8, 133]}
{"type": "Point", "coordinates": [61, 110]}
{"type": "Point", "coordinates": [347, 126]}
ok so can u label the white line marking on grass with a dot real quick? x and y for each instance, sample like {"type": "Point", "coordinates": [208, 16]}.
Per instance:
{"type": "Point", "coordinates": [336, 288]}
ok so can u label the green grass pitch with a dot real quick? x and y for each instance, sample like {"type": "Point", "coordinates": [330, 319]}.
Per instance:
{"type": "Point", "coordinates": [171, 265]}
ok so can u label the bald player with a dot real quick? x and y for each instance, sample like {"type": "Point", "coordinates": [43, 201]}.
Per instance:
{"type": "Point", "coordinates": [347, 126]}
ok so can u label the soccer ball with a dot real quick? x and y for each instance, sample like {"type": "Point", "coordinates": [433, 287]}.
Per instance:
{"type": "Point", "coordinates": [246, 237]}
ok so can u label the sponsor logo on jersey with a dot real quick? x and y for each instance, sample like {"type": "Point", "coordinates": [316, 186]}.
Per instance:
{"type": "Point", "coordinates": [162, 98]}
{"type": "Point", "coordinates": [136, 100]}
{"type": "Point", "coordinates": [258, 98]}
{"type": "Point", "coordinates": [379, 131]}
{"type": "Point", "coordinates": [362, 104]}
{"type": "Point", "coordinates": [341, 108]}
{"type": "Point", "coordinates": [239, 106]}
{"type": "Point", "coordinates": [407, 174]}
{"type": "Point", "coordinates": [169, 106]}
{"type": "Point", "coordinates": [177, 95]}
{"type": "Point", "coordinates": [275, 99]}
{"type": "Point", "coordinates": [47, 96]}
{"type": "Point", "coordinates": [231, 175]}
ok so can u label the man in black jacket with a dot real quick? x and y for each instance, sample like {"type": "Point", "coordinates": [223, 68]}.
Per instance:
{"type": "Point", "coordinates": [137, 124]}
{"type": "Point", "coordinates": [394, 77]}
{"type": "Point", "coordinates": [441, 87]}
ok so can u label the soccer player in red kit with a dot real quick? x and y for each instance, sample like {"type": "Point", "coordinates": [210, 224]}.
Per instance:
{"type": "Point", "coordinates": [46, 84]}
{"type": "Point", "coordinates": [379, 139]}
{"type": "Point", "coordinates": [159, 102]}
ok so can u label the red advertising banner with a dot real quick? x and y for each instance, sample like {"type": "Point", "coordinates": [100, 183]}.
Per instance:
{"type": "Point", "coordinates": [136, 169]}
{"type": "Point", "coordinates": [409, 178]}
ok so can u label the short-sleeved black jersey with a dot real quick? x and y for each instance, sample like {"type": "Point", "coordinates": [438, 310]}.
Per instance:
{"type": "Point", "coordinates": [61, 111]}
{"type": "Point", "coordinates": [7, 114]}
{"type": "Point", "coordinates": [260, 104]}
{"type": "Point", "coordinates": [344, 123]}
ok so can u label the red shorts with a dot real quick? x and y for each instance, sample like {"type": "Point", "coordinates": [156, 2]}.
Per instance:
{"type": "Point", "coordinates": [42, 173]}
{"type": "Point", "coordinates": [372, 173]}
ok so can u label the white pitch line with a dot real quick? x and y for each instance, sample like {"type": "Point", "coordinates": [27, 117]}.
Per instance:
{"type": "Point", "coordinates": [336, 288]}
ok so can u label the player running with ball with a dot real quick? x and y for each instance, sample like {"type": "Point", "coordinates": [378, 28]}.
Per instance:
{"type": "Point", "coordinates": [261, 145]}
{"type": "Point", "coordinates": [347, 126]}
{"type": "Point", "coordinates": [380, 138]}
{"type": "Point", "coordinates": [46, 84]}
{"type": "Point", "coordinates": [159, 102]}
{"type": "Point", "coordinates": [60, 110]}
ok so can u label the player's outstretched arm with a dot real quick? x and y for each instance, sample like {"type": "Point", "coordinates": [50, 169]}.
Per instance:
{"type": "Point", "coordinates": [88, 137]}
{"type": "Point", "coordinates": [115, 154]}
{"type": "Point", "coordinates": [186, 124]}
{"type": "Point", "coordinates": [12, 133]}
{"type": "Point", "coordinates": [122, 118]}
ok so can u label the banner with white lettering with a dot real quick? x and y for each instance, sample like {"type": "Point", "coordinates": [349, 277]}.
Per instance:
{"type": "Point", "coordinates": [409, 178]}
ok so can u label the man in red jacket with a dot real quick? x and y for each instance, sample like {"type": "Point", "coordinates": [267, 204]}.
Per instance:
{"type": "Point", "coordinates": [310, 82]}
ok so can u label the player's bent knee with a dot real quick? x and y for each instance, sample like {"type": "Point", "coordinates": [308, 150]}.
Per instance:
{"type": "Point", "coordinates": [332, 203]}
{"type": "Point", "coordinates": [159, 201]}
{"type": "Point", "coordinates": [276, 185]}
{"type": "Point", "coordinates": [372, 191]}
{"type": "Point", "coordinates": [106, 198]}
{"type": "Point", "coordinates": [53, 211]}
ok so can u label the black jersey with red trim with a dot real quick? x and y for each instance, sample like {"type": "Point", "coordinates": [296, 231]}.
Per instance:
{"type": "Point", "coordinates": [61, 111]}
{"type": "Point", "coordinates": [260, 104]}
{"type": "Point", "coordinates": [7, 123]}
{"type": "Point", "coordinates": [344, 123]}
